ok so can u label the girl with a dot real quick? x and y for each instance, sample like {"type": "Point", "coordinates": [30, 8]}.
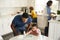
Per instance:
{"type": "Point", "coordinates": [34, 30]}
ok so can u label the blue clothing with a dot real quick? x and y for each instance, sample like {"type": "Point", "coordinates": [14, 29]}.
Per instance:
{"type": "Point", "coordinates": [49, 12]}
{"type": "Point", "coordinates": [19, 24]}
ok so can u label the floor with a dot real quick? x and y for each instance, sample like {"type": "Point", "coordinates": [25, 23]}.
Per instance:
{"type": "Point", "coordinates": [8, 36]}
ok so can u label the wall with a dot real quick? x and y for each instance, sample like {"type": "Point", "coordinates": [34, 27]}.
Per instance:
{"type": "Point", "coordinates": [31, 3]}
{"type": "Point", "coordinates": [54, 6]}
{"type": "Point", "coordinates": [8, 10]}
{"type": "Point", "coordinates": [13, 3]}
{"type": "Point", "coordinates": [40, 5]}
{"type": "Point", "coordinates": [59, 5]}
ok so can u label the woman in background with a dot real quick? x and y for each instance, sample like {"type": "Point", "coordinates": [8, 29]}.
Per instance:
{"type": "Point", "coordinates": [48, 11]}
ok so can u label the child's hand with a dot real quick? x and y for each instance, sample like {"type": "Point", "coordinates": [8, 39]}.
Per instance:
{"type": "Point", "coordinates": [29, 32]}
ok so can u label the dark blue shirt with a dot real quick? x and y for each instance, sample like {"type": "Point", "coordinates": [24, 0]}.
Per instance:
{"type": "Point", "coordinates": [49, 12]}
{"type": "Point", "coordinates": [19, 24]}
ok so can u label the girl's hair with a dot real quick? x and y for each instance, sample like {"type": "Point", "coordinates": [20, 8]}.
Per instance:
{"type": "Point", "coordinates": [34, 25]}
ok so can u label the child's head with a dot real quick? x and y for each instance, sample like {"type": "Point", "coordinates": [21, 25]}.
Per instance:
{"type": "Point", "coordinates": [34, 27]}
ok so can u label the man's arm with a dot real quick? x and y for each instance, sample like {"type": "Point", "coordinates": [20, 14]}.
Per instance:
{"type": "Point", "coordinates": [14, 30]}
{"type": "Point", "coordinates": [29, 22]}
{"type": "Point", "coordinates": [29, 26]}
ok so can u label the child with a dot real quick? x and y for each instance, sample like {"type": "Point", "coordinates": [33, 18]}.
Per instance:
{"type": "Point", "coordinates": [34, 30]}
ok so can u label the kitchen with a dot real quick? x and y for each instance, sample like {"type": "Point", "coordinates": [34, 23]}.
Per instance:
{"type": "Point", "coordinates": [9, 9]}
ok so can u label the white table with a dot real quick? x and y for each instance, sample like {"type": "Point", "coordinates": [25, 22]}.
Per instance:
{"type": "Point", "coordinates": [30, 37]}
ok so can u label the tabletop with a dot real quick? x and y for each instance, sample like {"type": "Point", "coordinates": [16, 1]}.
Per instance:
{"type": "Point", "coordinates": [30, 37]}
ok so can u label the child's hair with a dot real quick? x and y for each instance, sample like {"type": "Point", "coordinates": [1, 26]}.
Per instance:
{"type": "Point", "coordinates": [34, 25]}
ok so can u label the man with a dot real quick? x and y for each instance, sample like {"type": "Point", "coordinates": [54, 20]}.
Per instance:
{"type": "Point", "coordinates": [49, 3]}
{"type": "Point", "coordinates": [19, 23]}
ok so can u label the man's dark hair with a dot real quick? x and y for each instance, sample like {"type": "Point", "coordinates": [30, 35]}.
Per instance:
{"type": "Point", "coordinates": [49, 3]}
{"type": "Point", "coordinates": [25, 15]}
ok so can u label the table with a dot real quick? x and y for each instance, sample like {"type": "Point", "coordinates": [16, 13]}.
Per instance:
{"type": "Point", "coordinates": [30, 37]}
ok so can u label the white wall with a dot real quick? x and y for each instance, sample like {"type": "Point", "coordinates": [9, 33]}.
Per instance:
{"type": "Point", "coordinates": [31, 3]}
{"type": "Point", "coordinates": [13, 3]}
{"type": "Point", "coordinates": [59, 5]}
{"type": "Point", "coordinates": [54, 6]}
{"type": "Point", "coordinates": [8, 10]}
{"type": "Point", "coordinates": [40, 5]}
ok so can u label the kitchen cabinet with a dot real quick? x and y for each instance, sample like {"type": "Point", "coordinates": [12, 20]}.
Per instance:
{"type": "Point", "coordinates": [54, 29]}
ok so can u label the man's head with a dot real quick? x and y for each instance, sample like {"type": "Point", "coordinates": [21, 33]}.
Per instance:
{"type": "Point", "coordinates": [49, 3]}
{"type": "Point", "coordinates": [25, 17]}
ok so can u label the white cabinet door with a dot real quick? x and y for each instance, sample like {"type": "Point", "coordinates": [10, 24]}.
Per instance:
{"type": "Point", "coordinates": [54, 30]}
{"type": "Point", "coordinates": [57, 31]}
{"type": "Point", "coordinates": [51, 29]}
